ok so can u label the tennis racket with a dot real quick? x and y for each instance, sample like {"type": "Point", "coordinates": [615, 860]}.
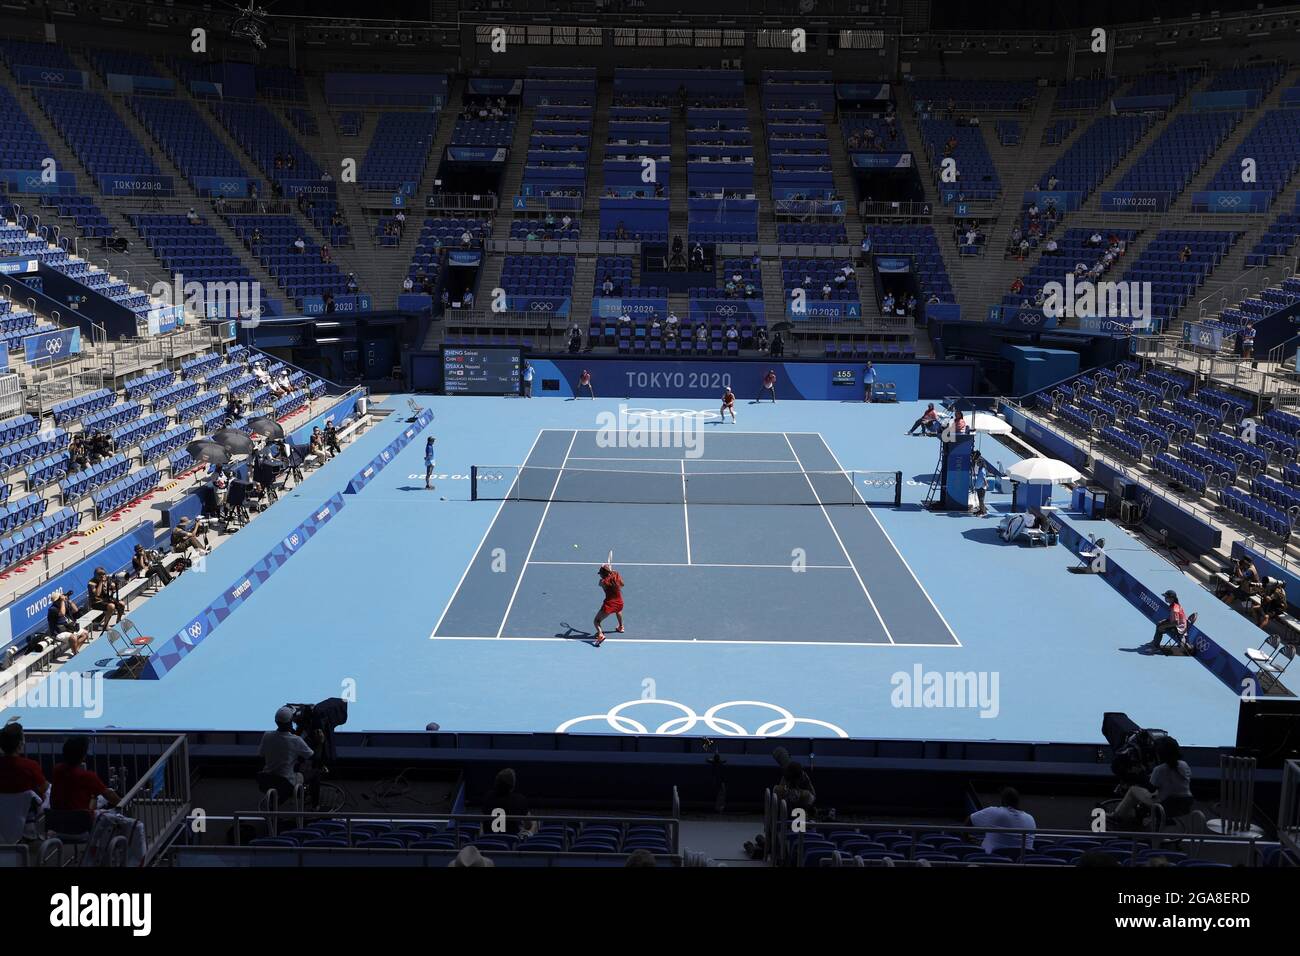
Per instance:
{"type": "Point", "coordinates": [610, 559]}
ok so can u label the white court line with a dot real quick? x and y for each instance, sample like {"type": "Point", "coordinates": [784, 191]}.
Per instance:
{"type": "Point", "coordinates": [524, 570]}
{"type": "Point", "coordinates": [686, 513]}
{"type": "Point", "coordinates": [835, 532]}
{"type": "Point", "coordinates": [693, 640]}
{"type": "Point", "coordinates": [486, 532]}
{"type": "Point", "coordinates": [881, 526]}
{"type": "Point", "coordinates": [672, 564]}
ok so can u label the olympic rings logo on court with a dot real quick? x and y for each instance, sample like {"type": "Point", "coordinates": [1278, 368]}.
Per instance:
{"type": "Point", "coordinates": [782, 724]}
{"type": "Point", "coordinates": [699, 413]}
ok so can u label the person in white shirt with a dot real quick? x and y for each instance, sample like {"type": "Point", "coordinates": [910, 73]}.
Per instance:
{"type": "Point", "coordinates": [407, 284]}
{"type": "Point", "coordinates": [1094, 239]}
{"type": "Point", "coordinates": [625, 320]}
{"type": "Point", "coordinates": [192, 217]}
{"type": "Point", "coordinates": [1171, 787]}
{"type": "Point", "coordinates": [971, 236]}
{"type": "Point", "coordinates": [263, 376]}
{"type": "Point", "coordinates": [1008, 816]}
{"type": "Point", "coordinates": [466, 238]}
{"type": "Point", "coordinates": [299, 246]}
{"type": "Point", "coordinates": [672, 319]}
{"type": "Point", "coordinates": [1051, 246]}
{"type": "Point", "coordinates": [283, 383]}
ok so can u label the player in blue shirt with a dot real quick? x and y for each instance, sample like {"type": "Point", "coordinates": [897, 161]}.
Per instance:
{"type": "Point", "coordinates": [428, 463]}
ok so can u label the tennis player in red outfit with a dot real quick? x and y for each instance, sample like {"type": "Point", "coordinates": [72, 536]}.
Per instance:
{"type": "Point", "coordinates": [611, 582]}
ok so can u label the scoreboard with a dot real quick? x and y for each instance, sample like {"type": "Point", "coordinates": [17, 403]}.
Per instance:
{"type": "Point", "coordinates": [480, 371]}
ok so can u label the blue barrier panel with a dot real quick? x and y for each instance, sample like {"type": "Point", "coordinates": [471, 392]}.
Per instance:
{"type": "Point", "coordinates": [1203, 336]}
{"type": "Point", "coordinates": [466, 258]}
{"type": "Point", "coordinates": [862, 91]}
{"type": "Point", "coordinates": [612, 307]}
{"type": "Point", "coordinates": [637, 215]}
{"type": "Point", "coordinates": [26, 615]}
{"type": "Point", "coordinates": [1159, 101]}
{"type": "Point", "coordinates": [414, 302]}
{"type": "Point", "coordinates": [813, 381]}
{"type": "Point", "coordinates": [1291, 96]}
{"type": "Point", "coordinates": [234, 187]}
{"type": "Point", "coordinates": [1230, 201]}
{"type": "Point", "coordinates": [823, 311]}
{"type": "Point", "coordinates": [19, 266]}
{"type": "Point", "coordinates": [495, 86]}
{"type": "Point", "coordinates": [33, 181]}
{"type": "Point", "coordinates": [1227, 100]}
{"type": "Point", "coordinates": [539, 304]}
{"type": "Point", "coordinates": [1021, 318]}
{"type": "Point", "coordinates": [881, 160]}
{"type": "Point", "coordinates": [176, 648]}
{"type": "Point", "coordinates": [943, 311]}
{"type": "Point", "coordinates": [1065, 200]}
{"type": "Point", "coordinates": [205, 88]}
{"type": "Point", "coordinates": [52, 345]}
{"type": "Point", "coordinates": [1123, 201]}
{"type": "Point", "coordinates": [727, 310]}
{"type": "Point", "coordinates": [477, 154]}
{"type": "Point", "coordinates": [379, 88]}
{"type": "Point", "coordinates": [315, 304]}
{"type": "Point", "coordinates": [167, 319]}
{"type": "Point", "coordinates": [51, 76]}
{"type": "Point", "coordinates": [382, 460]}
{"type": "Point", "coordinates": [1048, 441]}
{"type": "Point", "coordinates": [127, 83]}
{"type": "Point", "coordinates": [112, 184]}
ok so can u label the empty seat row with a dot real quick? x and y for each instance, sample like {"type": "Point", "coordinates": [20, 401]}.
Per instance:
{"type": "Point", "coordinates": [88, 479]}
{"type": "Point", "coordinates": [37, 536]}
{"type": "Point", "coordinates": [123, 492]}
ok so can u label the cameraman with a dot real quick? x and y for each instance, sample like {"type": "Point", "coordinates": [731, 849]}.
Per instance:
{"type": "Point", "coordinates": [148, 564]}
{"type": "Point", "coordinates": [282, 748]}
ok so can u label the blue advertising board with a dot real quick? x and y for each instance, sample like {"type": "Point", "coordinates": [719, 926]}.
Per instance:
{"type": "Point", "coordinates": [823, 311]}
{"type": "Point", "coordinates": [127, 83]}
{"type": "Point", "coordinates": [1203, 336]}
{"type": "Point", "coordinates": [881, 160]}
{"type": "Point", "coordinates": [814, 381]}
{"type": "Point", "coordinates": [57, 344]}
{"type": "Point", "coordinates": [50, 76]}
{"type": "Point", "coordinates": [539, 304]}
{"type": "Point", "coordinates": [728, 310]}
{"type": "Point", "coordinates": [1065, 200]}
{"type": "Point", "coordinates": [33, 181]}
{"type": "Point", "coordinates": [1230, 201]}
{"type": "Point", "coordinates": [315, 304]}
{"type": "Point", "coordinates": [1127, 201]}
{"type": "Point", "coordinates": [114, 184]}
{"type": "Point", "coordinates": [612, 307]}
{"type": "Point", "coordinates": [233, 187]}
{"type": "Point", "coordinates": [476, 154]}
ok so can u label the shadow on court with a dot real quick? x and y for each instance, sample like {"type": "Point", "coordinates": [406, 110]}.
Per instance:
{"type": "Point", "coordinates": [986, 535]}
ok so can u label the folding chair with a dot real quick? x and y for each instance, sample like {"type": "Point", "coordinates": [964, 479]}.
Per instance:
{"type": "Point", "coordinates": [1271, 664]}
{"type": "Point", "coordinates": [1091, 553]}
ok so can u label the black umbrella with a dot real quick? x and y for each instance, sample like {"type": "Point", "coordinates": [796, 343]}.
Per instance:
{"type": "Point", "coordinates": [208, 451]}
{"type": "Point", "coordinates": [267, 427]}
{"type": "Point", "coordinates": [782, 326]}
{"type": "Point", "coordinates": [234, 441]}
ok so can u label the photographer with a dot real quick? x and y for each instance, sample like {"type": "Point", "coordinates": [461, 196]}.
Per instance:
{"type": "Point", "coordinates": [148, 564]}
{"type": "Point", "coordinates": [104, 599]}
{"type": "Point", "coordinates": [183, 539]}
{"type": "Point", "coordinates": [61, 618]}
{"type": "Point", "coordinates": [283, 748]}
{"type": "Point", "coordinates": [332, 438]}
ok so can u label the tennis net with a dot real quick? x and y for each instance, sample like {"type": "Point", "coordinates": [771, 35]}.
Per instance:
{"type": "Point", "coordinates": [608, 486]}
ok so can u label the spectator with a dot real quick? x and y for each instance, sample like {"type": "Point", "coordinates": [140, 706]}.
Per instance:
{"type": "Point", "coordinates": [407, 284]}
{"type": "Point", "coordinates": [19, 773]}
{"type": "Point", "coordinates": [75, 789]}
{"type": "Point", "coordinates": [1051, 183]}
{"type": "Point", "coordinates": [470, 856]}
{"type": "Point", "coordinates": [192, 217]}
{"type": "Point", "coordinates": [796, 787]}
{"type": "Point", "coordinates": [298, 247]}
{"type": "Point", "coordinates": [1185, 254]}
{"type": "Point", "coordinates": [607, 287]}
{"type": "Point", "coordinates": [1006, 816]}
{"type": "Point", "coordinates": [1242, 583]}
{"type": "Point", "coordinates": [640, 857]}
{"type": "Point", "coordinates": [1017, 286]}
{"type": "Point", "coordinates": [1171, 787]}
{"type": "Point", "coordinates": [61, 618]}
{"type": "Point", "coordinates": [467, 298]}
{"type": "Point", "coordinates": [1050, 246]}
{"type": "Point", "coordinates": [351, 284]}
{"type": "Point", "coordinates": [868, 382]}
{"type": "Point", "coordinates": [504, 797]}
{"type": "Point", "coordinates": [325, 253]}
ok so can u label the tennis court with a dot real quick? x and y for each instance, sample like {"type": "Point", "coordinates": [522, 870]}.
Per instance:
{"type": "Point", "coordinates": [746, 537]}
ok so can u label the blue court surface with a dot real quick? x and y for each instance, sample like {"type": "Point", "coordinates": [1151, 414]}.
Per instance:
{"type": "Point", "coordinates": [773, 587]}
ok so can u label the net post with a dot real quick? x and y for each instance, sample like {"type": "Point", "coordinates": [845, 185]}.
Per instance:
{"type": "Point", "coordinates": [898, 489]}
{"type": "Point", "coordinates": [473, 482]}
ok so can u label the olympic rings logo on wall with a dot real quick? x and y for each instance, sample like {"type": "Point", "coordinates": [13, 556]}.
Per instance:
{"type": "Point", "coordinates": [782, 724]}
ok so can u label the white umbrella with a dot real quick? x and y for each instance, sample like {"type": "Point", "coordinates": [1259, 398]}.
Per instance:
{"type": "Point", "coordinates": [1042, 471]}
{"type": "Point", "coordinates": [989, 424]}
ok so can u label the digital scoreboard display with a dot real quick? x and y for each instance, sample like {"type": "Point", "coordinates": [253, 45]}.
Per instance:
{"type": "Point", "coordinates": [480, 371]}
